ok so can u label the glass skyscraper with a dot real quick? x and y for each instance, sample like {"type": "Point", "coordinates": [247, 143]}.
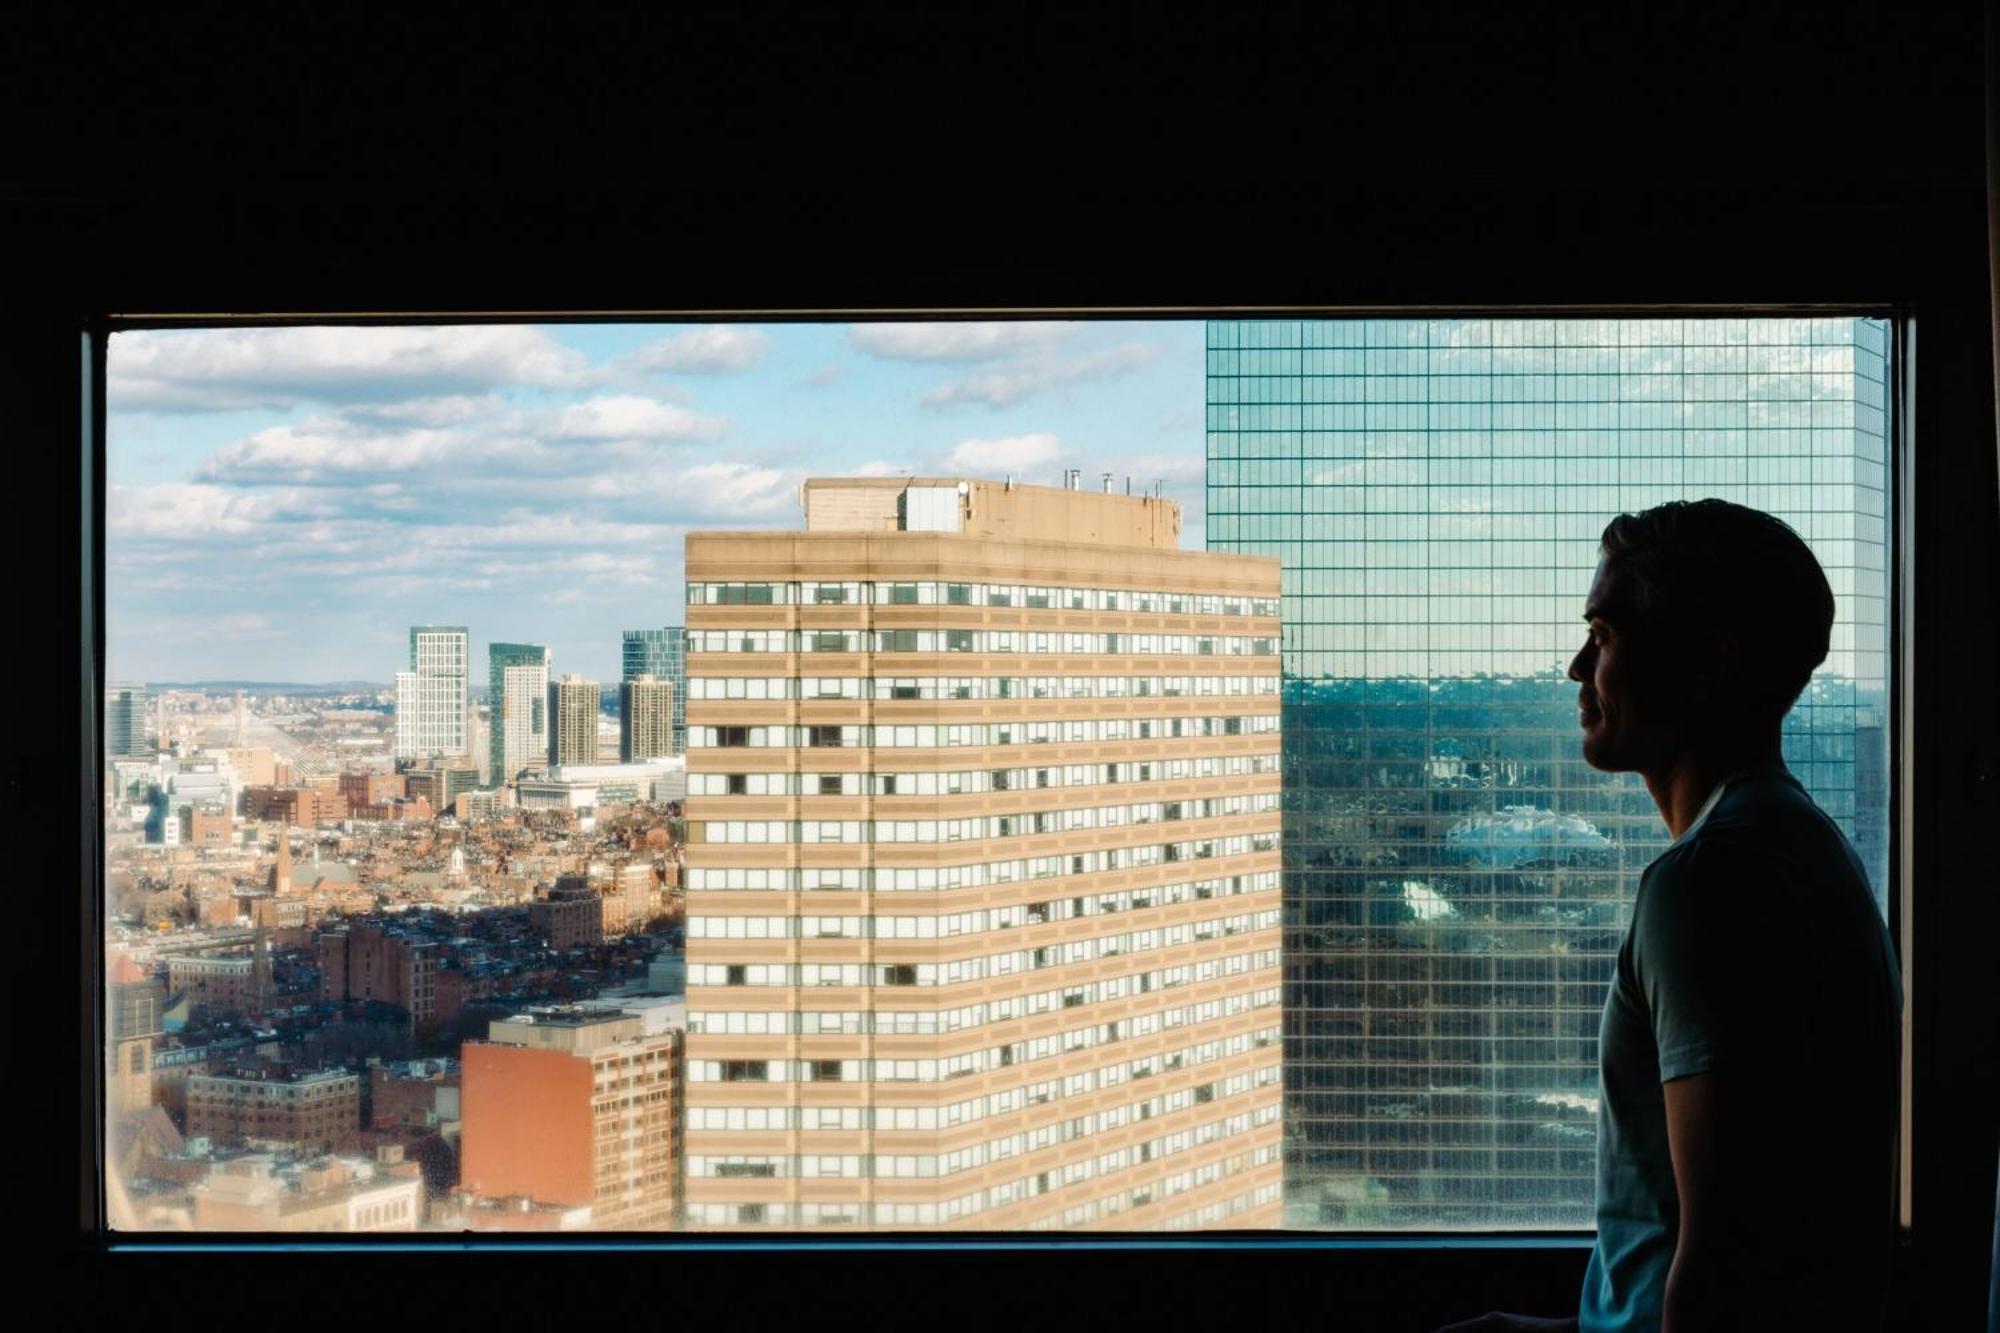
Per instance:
{"type": "Point", "coordinates": [661, 654]}
{"type": "Point", "coordinates": [1457, 880]}
{"type": "Point", "coordinates": [125, 722]}
{"type": "Point", "coordinates": [517, 708]}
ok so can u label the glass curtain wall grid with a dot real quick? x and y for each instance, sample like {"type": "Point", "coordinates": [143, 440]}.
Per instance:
{"type": "Point", "coordinates": [1457, 880]}
{"type": "Point", "coordinates": [661, 654]}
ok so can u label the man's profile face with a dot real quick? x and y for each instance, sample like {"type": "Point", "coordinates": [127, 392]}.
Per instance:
{"type": "Point", "coordinates": [1625, 707]}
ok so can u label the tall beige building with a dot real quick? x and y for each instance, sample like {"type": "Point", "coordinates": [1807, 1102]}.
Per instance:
{"type": "Point", "coordinates": [983, 867]}
{"type": "Point", "coordinates": [573, 703]}
{"type": "Point", "coordinates": [645, 719]}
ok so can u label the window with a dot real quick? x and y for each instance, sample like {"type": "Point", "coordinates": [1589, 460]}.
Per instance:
{"type": "Point", "coordinates": [1449, 893]}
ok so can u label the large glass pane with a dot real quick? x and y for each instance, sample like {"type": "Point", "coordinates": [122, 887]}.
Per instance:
{"type": "Point", "coordinates": [995, 933]}
{"type": "Point", "coordinates": [1457, 880]}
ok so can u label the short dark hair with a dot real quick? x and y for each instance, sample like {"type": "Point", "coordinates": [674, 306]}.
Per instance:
{"type": "Point", "coordinates": [1708, 569]}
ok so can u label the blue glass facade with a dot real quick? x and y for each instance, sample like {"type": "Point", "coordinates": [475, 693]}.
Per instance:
{"type": "Point", "coordinates": [1457, 880]}
{"type": "Point", "coordinates": [661, 654]}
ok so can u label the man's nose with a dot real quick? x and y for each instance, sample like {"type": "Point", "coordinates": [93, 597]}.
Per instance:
{"type": "Point", "coordinates": [1578, 666]}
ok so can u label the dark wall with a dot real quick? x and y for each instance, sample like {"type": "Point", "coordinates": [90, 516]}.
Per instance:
{"type": "Point", "coordinates": [1257, 157]}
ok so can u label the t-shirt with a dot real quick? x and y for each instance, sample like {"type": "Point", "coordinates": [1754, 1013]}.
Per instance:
{"type": "Point", "coordinates": [1756, 952]}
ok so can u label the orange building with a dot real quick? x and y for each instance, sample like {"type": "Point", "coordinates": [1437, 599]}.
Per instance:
{"type": "Point", "coordinates": [206, 828]}
{"type": "Point", "coordinates": [575, 1107]}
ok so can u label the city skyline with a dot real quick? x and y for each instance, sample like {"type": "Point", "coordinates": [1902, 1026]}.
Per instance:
{"type": "Point", "coordinates": [283, 503]}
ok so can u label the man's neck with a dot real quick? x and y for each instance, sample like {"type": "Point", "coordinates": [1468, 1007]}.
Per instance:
{"type": "Point", "coordinates": [1683, 785]}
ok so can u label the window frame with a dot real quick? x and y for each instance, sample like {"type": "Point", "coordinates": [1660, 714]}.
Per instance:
{"type": "Point", "coordinates": [1906, 859]}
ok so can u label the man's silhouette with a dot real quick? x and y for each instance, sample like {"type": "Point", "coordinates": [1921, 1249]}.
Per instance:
{"type": "Point", "coordinates": [1749, 1046]}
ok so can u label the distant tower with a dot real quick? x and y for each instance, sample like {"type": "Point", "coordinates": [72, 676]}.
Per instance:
{"type": "Point", "coordinates": [241, 729]}
{"type": "Point", "coordinates": [430, 696]}
{"type": "Point", "coordinates": [573, 705]}
{"type": "Point", "coordinates": [661, 653]}
{"type": "Point", "coordinates": [457, 867]}
{"type": "Point", "coordinates": [281, 873]}
{"type": "Point", "coordinates": [645, 719]}
{"type": "Point", "coordinates": [125, 722]}
{"type": "Point", "coordinates": [517, 724]}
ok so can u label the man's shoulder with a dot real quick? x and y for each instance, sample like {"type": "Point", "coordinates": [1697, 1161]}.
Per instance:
{"type": "Point", "coordinates": [1724, 878]}
{"type": "Point", "coordinates": [1712, 852]}
{"type": "Point", "coordinates": [1762, 826]}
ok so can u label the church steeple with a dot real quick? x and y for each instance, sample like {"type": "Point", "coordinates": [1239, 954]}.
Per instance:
{"type": "Point", "coordinates": [281, 873]}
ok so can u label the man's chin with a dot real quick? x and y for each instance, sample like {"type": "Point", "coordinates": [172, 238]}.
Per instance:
{"type": "Point", "coordinates": [1602, 757]}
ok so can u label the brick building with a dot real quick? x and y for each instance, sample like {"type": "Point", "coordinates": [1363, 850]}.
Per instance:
{"type": "Point", "coordinates": [206, 827]}
{"type": "Point", "coordinates": [370, 962]}
{"type": "Point", "coordinates": [571, 917]}
{"type": "Point", "coordinates": [418, 1094]}
{"type": "Point", "coordinates": [396, 809]}
{"type": "Point", "coordinates": [363, 789]}
{"type": "Point", "coordinates": [220, 983]}
{"type": "Point", "coordinates": [274, 1105]}
{"type": "Point", "coordinates": [301, 807]}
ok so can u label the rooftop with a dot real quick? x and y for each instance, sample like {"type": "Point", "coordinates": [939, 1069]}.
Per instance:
{"type": "Point", "coordinates": [993, 509]}
{"type": "Point", "coordinates": [568, 1016]}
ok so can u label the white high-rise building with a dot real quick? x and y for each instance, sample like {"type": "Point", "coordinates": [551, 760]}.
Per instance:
{"type": "Point", "coordinates": [430, 696]}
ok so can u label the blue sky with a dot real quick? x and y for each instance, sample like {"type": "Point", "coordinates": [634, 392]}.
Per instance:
{"type": "Point", "coordinates": [283, 504]}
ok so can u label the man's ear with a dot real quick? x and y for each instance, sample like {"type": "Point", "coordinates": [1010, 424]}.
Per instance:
{"type": "Point", "coordinates": [1718, 669]}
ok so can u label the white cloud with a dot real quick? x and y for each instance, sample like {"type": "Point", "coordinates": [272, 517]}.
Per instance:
{"type": "Point", "coordinates": [321, 448]}
{"type": "Point", "coordinates": [221, 369]}
{"type": "Point", "coordinates": [825, 377]}
{"type": "Point", "coordinates": [1017, 453]}
{"type": "Point", "coordinates": [451, 410]}
{"type": "Point", "coordinates": [716, 349]}
{"type": "Point", "coordinates": [746, 488]}
{"type": "Point", "coordinates": [630, 417]}
{"type": "Point", "coordinates": [877, 468]}
{"type": "Point", "coordinates": [954, 341]}
{"type": "Point", "coordinates": [183, 510]}
{"type": "Point", "coordinates": [470, 453]}
{"type": "Point", "coordinates": [1009, 384]}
